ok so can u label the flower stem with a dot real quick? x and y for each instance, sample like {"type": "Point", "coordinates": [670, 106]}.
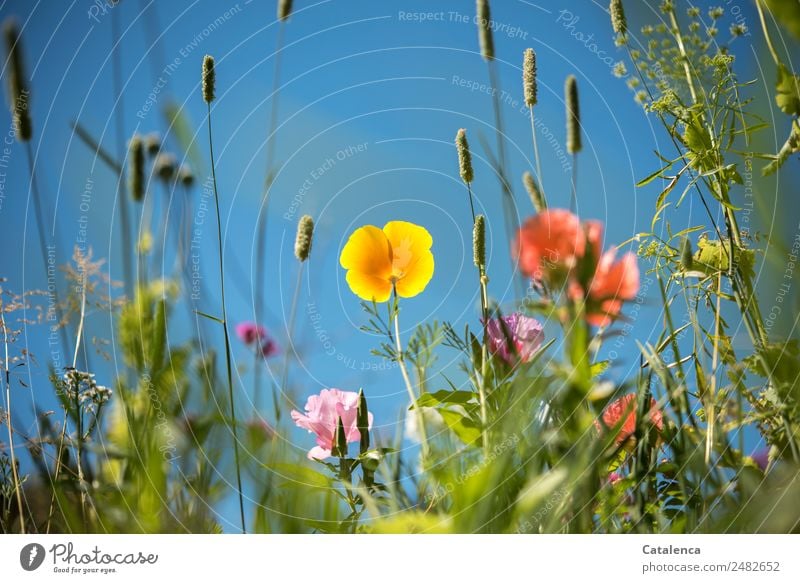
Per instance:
{"type": "Point", "coordinates": [536, 153]}
{"type": "Point", "coordinates": [406, 378]}
{"type": "Point", "coordinates": [289, 331]}
{"type": "Point", "coordinates": [225, 328]}
{"type": "Point", "coordinates": [7, 379]}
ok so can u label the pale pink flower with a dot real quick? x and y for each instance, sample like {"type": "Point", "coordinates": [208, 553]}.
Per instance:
{"type": "Point", "coordinates": [526, 335]}
{"type": "Point", "coordinates": [322, 417]}
{"type": "Point", "coordinates": [621, 414]}
{"type": "Point", "coordinates": [549, 245]}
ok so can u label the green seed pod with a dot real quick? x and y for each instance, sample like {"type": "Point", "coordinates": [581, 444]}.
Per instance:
{"type": "Point", "coordinates": [17, 83]}
{"type": "Point", "coordinates": [284, 9]}
{"type": "Point", "coordinates": [464, 156]}
{"type": "Point", "coordinates": [573, 115]}
{"type": "Point", "coordinates": [362, 422]}
{"type": "Point", "coordinates": [529, 77]}
{"type": "Point", "coordinates": [209, 79]}
{"type": "Point", "coordinates": [687, 257]}
{"type": "Point", "coordinates": [479, 242]}
{"type": "Point", "coordinates": [305, 235]}
{"type": "Point", "coordinates": [485, 30]}
{"type": "Point", "coordinates": [618, 20]}
{"type": "Point", "coordinates": [136, 168]}
{"type": "Point", "coordinates": [537, 198]}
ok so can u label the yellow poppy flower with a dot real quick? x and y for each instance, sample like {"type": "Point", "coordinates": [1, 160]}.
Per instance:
{"type": "Point", "coordinates": [376, 259]}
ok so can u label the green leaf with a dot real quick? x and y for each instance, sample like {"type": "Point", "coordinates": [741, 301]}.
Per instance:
{"type": "Point", "coordinates": [444, 397]}
{"type": "Point", "coordinates": [787, 94]}
{"type": "Point", "coordinates": [657, 174]}
{"type": "Point", "coordinates": [209, 316]}
{"type": "Point", "coordinates": [465, 428]}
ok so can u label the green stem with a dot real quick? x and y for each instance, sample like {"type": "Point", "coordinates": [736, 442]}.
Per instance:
{"type": "Point", "coordinates": [406, 378]}
{"type": "Point", "coordinates": [225, 327]}
{"type": "Point", "coordinates": [289, 332]}
{"type": "Point", "coordinates": [7, 379]}
{"type": "Point", "coordinates": [536, 154]}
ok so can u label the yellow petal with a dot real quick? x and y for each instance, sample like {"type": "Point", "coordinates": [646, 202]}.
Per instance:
{"type": "Point", "coordinates": [409, 242]}
{"type": "Point", "coordinates": [367, 250]}
{"type": "Point", "coordinates": [417, 276]}
{"type": "Point", "coordinates": [368, 287]}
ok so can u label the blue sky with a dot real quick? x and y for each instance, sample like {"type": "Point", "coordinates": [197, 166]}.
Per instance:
{"type": "Point", "coordinates": [371, 96]}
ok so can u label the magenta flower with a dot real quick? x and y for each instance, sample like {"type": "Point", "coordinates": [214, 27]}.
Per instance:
{"type": "Point", "coordinates": [322, 416]}
{"type": "Point", "coordinates": [525, 333]}
{"type": "Point", "coordinates": [761, 458]}
{"type": "Point", "coordinates": [250, 333]}
{"type": "Point", "coordinates": [253, 334]}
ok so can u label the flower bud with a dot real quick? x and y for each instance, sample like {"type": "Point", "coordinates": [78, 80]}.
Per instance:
{"type": "Point", "coordinates": [362, 422]}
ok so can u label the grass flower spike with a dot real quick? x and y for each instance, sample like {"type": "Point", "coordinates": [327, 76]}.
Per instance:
{"type": "Point", "coordinates": [209, 79]}
{"type": "Point", "coordinates": [304, 237]}
{"type": "Point", "coordinates": [464, 157]}
{"type": "Point", "coordinates": [399, 255]}
{"type": "Point", "coordinates": [574, 144]}
{"type": "Point", "coordinates": [529, 77]}
{"type": "Point", "coordinates": [17, 83]}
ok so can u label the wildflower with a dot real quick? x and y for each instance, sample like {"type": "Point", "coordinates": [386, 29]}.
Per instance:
{"type": "Point", "coordinates": [529, 77]}
{"type": "Point", "coordinates": [81, 387]}
{"type": "Point", "coordinates": [761, 458]}
{"type": "Point", "coordinates": [537, 199]}
{"type": "Point", "coordinates": [620, 415]}
{"type": "Point", "coordinates": [17, 83]}
{"type": "Point", "coordinates": [484, 18]}
{"type": "Point", "coordinates": [323, 414]}
{"type": "Point", "coordinates": [396, 256]}
{"type": "Point", "coordinates": [209, 79]}
{"type": "Point", "coordinates": [303, 238]}
{"type": "Point", "coordinates": [136, 168]}
{"type": "Point", "coordinates": [479, 242]}
{"type": "Point", "coordinates": [620, 70]}
{"type": "Point", "coordinates": [549, 245]}
{"type": "Point", "coordinates": [611, 283]}
{"type": "Point", "coordinates": [515, 337]}
{"type": "Point", "coordinates": [573, 116]}
{"type": "Point", "coordinates": [618, 20]}
{"type": "Point", "coordinates": [464, 156]}
{"type": "Point", "coordinates": [252, 334]}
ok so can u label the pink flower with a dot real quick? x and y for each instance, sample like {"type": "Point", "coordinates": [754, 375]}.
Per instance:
{"type": "Point", "coordinates": [761, 458]}
{"type": "Point", "coordinates": [250, 333]}
{"type": "Point", "coordinates": [622, 414]}
{"type": "Point", "coordinates": [549, 245]}
{"type": "Point", "coordinates": [526, 334]}
{"type": "Point", "coordinates": [613, 282]}
{"type": "Point", "coordinates": [256, 335]}
{"type": "Point", "coordinates": [322, 416]}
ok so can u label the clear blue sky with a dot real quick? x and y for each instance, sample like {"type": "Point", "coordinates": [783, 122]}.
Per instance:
{"type": "Point", "coordinates": [370, 100]}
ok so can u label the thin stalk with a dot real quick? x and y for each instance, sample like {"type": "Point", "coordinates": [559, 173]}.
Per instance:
{"type": "Point", "coordinates": [471, 204]}
{"type": "Point", "coordinates": [573, 197]}
{"type": "Point", "coordinates": [289, 332]}
{"type": "Point", "coordinates": [261, 227]}
{"type": "Point", "coordinates": [406, 377]}
{"type": "Point", "coordinates": [767, 37]}
{"type": "Point", "coordinates": [225, 327]}
{"type": "Point", "coordinates": [125, 240]}
{"type": "Point", "coordinates": [14, 473]}
{"type": "Point", "coordinates": [484, 359]}
{"type": "Point", "coordinates": [536, 153]}
{"type": "Point", "coordinates": [711, 416]}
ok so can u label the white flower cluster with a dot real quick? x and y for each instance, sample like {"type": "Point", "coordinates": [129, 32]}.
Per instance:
{"type": "Point", "coordinates": [82, 386]}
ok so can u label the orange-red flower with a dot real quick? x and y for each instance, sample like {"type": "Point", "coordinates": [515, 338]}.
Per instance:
{"type": "Point", "coordinates": [621, 415]}
{"type": "Point", "coordinates": [549, 245]}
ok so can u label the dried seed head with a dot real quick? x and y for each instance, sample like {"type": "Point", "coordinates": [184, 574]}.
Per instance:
{"type": "Point", "coordinates": [573, 116]}
{"type": "Point", "coordinates": [305, 235]}
{"type": "Point", "coordinates": [17, 83]}
{"type": "Point", "coordinates": [687, 257]}
{"type": "Point", "coordinates": [185, 175]}
{"type": "Point", "coordinates": [479, 242]}
{"type": "Point", "coordinates": [529, 77]}
{"type": "Point", "coordinates": [209, 79]}
{"type": "Point", "coordinates": [537, 198]}
{"type": "Point", "coordinates": [165, 166]}
{"type": "Point", "coordinates": [464, 156]}
{"type": "Point", "coordinates": [485, 30]}
{"type": "Point", "coordinates": [618, 20]}
{"type": "Point", "coordinates": [152, 143]}
{"type": "Point", "coordinates": [284, 9]}
{"type": "Point", "coordinates": [136, 168]}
